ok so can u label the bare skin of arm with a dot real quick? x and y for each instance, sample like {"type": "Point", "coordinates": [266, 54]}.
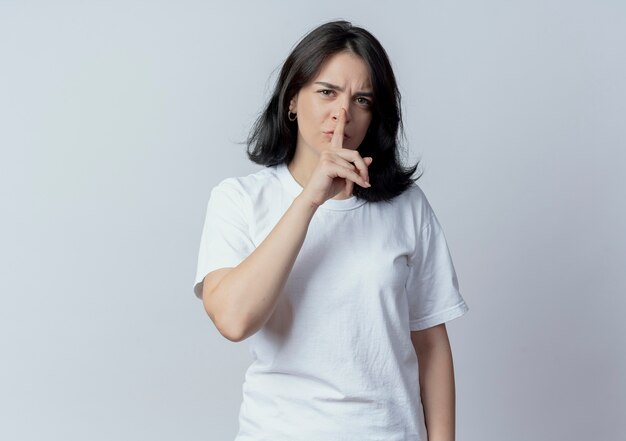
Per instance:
{"type": "Point", "coordinates": [436, 377]}
{"type": "Point", "coordinates": [240, 300]}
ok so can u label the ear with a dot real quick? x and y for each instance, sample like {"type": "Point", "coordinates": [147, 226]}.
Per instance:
{"type": "Point", "coordinates": [293, 104]}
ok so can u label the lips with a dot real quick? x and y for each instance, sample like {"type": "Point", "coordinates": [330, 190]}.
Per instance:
{"type": "Point", "coordinates": [332, 132]}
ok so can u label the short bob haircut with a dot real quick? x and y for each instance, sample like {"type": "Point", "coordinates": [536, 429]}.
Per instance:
{"type": "Point", "coordinates": [273, 137]}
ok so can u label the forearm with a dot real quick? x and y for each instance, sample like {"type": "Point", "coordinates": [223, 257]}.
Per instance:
{"type": "Point", "coordinates": [436, 377]}
{"type": "Point", "coordinates": [248, 294]}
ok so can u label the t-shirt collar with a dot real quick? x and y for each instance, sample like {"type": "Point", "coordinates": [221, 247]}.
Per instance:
{"type": "Point", "coordinates": [294, 188]}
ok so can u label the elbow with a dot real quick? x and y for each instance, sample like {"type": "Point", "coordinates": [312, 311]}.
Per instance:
{"type": "Point", "coordinates": [235, 337]}
{"type": "Point", "coordinates": [235, 334]}
{"type": "Point", "coordinates": [227, 327]}
{"type": "Point", "coordinates": [236, 329]}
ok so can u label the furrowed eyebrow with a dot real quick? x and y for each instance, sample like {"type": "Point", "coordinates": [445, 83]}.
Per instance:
{"type": "Point", "coordinates": [341, 89]}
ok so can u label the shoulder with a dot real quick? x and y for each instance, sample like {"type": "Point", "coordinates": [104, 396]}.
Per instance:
{"type": "Point", "coordinates": [247, 194]}
{"type": "Point", "coordinates": [233, 197]}
{"type": "Point", "coordinates": [246, 185]}
{"type": "Point", "coordinates": [415, 198]}
{"type": "Point", "coordinates": [415, 192]}
{"type": "Point", "coordinates": [416, 206]}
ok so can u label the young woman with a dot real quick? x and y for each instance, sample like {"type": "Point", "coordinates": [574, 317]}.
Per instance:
{"type": "Point", "coordinates": [330, 260]}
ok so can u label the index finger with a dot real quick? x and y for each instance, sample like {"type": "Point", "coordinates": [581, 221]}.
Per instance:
{"type": "Point", "coordinates": [337, 139]}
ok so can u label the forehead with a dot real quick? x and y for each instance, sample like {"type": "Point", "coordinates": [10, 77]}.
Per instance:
{"type": "Point", "coordinates": [345, 68]}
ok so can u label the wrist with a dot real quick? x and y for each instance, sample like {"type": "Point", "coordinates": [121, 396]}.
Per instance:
{"type": "Point", "coordinates": [305, 203]}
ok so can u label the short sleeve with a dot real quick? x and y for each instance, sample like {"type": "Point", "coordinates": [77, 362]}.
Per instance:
{"type": "Point", "coordinates": [432, 286]}
{"type": "Point", "coordinates": [225, 240]}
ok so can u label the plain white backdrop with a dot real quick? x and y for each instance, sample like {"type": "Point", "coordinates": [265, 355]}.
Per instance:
{"type": "Point", "coordinates": [117, 118]}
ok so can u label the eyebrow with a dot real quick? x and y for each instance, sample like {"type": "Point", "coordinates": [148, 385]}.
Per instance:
{"type": "Point", "coordinates": [341, 89]}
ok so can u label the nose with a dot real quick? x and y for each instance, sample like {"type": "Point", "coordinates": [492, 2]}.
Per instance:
{"type": "Point", "coordinates": [337, 112]}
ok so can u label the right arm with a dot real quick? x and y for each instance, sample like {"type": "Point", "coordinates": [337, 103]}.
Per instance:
{"type": "Point", "coordinates": [241, 300]}
{"type": "Point", "coordinates": [244, 297]}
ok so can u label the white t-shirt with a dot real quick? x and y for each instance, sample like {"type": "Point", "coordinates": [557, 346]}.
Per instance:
{"type": "Point", "coordinates": [335, 360]}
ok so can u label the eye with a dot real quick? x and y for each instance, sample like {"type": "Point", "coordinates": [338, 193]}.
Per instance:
{"type": "Point", "coordinates": [364, 101]}
{"type": "Point", "coordinates": [326, 92]}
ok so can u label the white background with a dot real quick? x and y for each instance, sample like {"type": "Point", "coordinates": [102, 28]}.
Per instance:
{"type": "Point", "coordinates": [117, 118]}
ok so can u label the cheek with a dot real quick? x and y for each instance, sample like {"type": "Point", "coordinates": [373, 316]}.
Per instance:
{"type": "Point", "coordinates": [364, 123]}
{"type": "Point", "coordinates": [312, 115]}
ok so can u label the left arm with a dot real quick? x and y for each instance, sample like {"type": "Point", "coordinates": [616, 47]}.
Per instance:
{"type": "Point", "coordinates": [436, 378]}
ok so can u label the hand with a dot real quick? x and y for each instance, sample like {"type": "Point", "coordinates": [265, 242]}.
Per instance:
{"type": "Point", "coordinates": [337, 169]}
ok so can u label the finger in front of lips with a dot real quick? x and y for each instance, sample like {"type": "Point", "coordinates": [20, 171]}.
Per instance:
{"type": "Point", "coordinates": [337, 139]}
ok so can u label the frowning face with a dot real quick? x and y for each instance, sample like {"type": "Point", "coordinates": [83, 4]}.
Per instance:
{"type": "Point", "coordinates": [343, 82]}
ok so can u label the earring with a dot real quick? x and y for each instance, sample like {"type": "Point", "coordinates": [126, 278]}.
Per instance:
{"type": "Point", "coordinates": [295, 115]}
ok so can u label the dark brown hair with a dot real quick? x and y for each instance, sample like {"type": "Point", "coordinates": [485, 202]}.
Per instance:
{"type": "Point", "coordinates": [272, 139]}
